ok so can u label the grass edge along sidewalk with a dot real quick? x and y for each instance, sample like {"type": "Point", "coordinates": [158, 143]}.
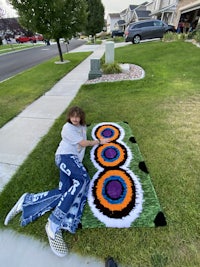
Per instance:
{"type": "Point", "coordinates": [163, 112]}
{"type": "Point", "coordinates": [21, 90]}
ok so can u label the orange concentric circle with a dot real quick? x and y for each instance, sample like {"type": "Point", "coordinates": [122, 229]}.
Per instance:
{"type": "Point", "coordinates": [114, 192]}
{"type": "Point", "coordinates": [107, 131]}
{"type": "Point", "coordinates": [111, 155]}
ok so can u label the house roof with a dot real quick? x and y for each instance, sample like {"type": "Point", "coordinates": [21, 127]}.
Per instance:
{"type": "Point", "coordinates": [145, 3]}
{"type": "Point", "coordinates": [123, 11]}
{"type": "Point", "coordinates": [143, 13]}
{"type": "Point", "coordinates": [132, 7]}
{"type": "Point", "coordinates": [114, 15]}
{"type": "Point", "coordinates": [169, 8]}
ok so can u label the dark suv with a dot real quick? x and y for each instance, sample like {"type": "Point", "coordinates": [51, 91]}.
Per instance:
{"type": "Point", "coordinates": [146, 29]}
{"type": "Point", "coordinates": [117, 33]}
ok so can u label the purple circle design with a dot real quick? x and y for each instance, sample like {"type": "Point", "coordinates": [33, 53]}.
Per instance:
{"type": "Point", "coordinates": [114, 189]}
{"type": "Point", "coordinates": [107, 133]}
{"type": "Point", "coordinates": [110, 153]}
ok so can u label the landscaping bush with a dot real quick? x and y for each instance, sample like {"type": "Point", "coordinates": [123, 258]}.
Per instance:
{"type": "Point", "coordinates": [111, 68]}
{"type": "Point", "coordinates": [118, 39]}
{"type": "Point", "coordinates": [170, 36]}
{"type": "Point", "coordinates": [195, 34]}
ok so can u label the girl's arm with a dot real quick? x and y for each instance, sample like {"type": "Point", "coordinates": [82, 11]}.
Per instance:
{"type": "Point", "coordinates": [85, 143]}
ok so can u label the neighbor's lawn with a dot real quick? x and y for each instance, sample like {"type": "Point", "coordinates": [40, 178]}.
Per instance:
{"type": "Point", "coordinates": [13, 47]}
{"type": "Point", "coordinates": [21, 90]}
{"type": "Point", "coordinates": [163, 111]}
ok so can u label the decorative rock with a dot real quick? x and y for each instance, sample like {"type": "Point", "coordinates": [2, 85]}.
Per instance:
{"type": "Point", "coordinates": [125, 68]}
{"type": "Point", "coordinates": [135, 73]}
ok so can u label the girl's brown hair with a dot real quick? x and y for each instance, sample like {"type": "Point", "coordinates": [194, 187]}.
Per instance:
{"type": "Point", "coordinates": [76, 111]}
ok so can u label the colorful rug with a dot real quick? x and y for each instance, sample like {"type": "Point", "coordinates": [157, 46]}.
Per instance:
{"type": "Point", "coordinates": [121, 194]}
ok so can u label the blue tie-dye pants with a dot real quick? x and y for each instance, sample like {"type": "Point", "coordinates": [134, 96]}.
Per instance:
{"type": "Point", "coordinates": [67, 201]}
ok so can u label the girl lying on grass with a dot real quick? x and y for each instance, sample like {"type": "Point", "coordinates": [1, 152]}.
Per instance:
{"type": "Point", "coordinates": [68, 200]}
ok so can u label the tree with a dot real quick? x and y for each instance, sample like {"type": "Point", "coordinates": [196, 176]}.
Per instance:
{"type": "Point", "coordinates": [53, 18]}
{"type": "Point", "coordinates": [95, 19]}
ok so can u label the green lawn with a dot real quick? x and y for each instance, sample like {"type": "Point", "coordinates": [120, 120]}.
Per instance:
{"type": "Point", "coordinates": [163, 112]}
{"type": "Point", "coordinates": [14, 47]}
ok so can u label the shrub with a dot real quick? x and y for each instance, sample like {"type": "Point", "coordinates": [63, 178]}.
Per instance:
{"type": "Point", "coordinates": [94, 41]}
{"type": "Point", "coordinates": [118, 39]}
{"type": "Point", "coordinates": [111, 68]}
{"type": "Point", "coordinates": [102, 35]}
{"type": "Point", "coordinates": [182, 36]}
{"type": "Point", "coordinates": [170, 36]}
{"type": "Point", "coordinates": [197, 37]}
{"type": "Point", "coordinates": [195, 34]}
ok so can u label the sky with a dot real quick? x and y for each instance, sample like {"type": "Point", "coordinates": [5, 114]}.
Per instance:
{"type": "Point", "coordinates": [111, 6]}
{"type": "Point", "coordinates": [6, 10]}
{"type": "Point", "coordinates": [116, 6]}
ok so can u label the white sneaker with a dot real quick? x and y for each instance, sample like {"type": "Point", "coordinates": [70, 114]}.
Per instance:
{"type": "Point", "coordinates": [56, 242]}
{"type": "Point", "coordinates": [15, 210]}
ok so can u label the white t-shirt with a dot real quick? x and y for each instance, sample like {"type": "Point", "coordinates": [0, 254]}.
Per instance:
{"type": "Point", "coordinates": [71, 136]}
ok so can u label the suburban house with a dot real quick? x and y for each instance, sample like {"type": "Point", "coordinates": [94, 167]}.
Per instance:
{"type": "Point", "coordinates": [172, 12]}
{"type": "Point", "coordinates": [163, 10]}
{"type": "Point", "coordinates": [188, 10]}
{"type": "Point", "coordinates": [112, 19]}
{"type": "Point", "coordinates": [131, 14]}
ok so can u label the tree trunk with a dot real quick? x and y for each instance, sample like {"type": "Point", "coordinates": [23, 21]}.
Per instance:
{"type": "Point", "coordinates": [59, 49]}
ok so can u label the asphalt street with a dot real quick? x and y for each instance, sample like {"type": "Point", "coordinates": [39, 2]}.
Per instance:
{"type": "Point", "coordinates": [18, 61]}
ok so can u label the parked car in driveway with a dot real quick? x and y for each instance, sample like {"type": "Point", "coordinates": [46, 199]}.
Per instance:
{"type": "Point", "coordinates": [117, 33]}
{"type": "Point", "coordinates": [146, 29]}
{"type": "Point", "coordinates": [22, 39]}
{"type": "Point", "coordinates": [33, 39]}
{"type": "Point", "coordinates": [38, 37]}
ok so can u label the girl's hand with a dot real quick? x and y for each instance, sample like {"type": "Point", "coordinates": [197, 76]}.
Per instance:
{"type": "Point", "coordinates": [104, 141]}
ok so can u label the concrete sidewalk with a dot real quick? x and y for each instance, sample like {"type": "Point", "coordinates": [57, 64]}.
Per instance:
{"type": "Point", "coordinates": [19, 136]}
{"type": "Point", "coordinates": [17, 139]}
